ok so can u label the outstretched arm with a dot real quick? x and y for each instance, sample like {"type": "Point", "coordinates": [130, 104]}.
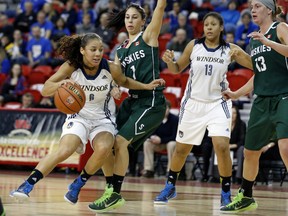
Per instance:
{"type": "Point", "coordinates": [244, 90]}
{"type": "Point", "coordinates": [129, 83]}
{"type": "Point", "coordinates": [152, 31]}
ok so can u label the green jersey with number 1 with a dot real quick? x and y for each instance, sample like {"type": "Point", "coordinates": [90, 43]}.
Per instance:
{"type": "Point", "coordinates": [139, 62]}
{"type": "Point", "coordinates": [270, 67]}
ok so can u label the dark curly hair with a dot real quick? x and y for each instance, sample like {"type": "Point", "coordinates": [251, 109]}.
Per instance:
{"type": "Point", "coordinates": [69, 47]}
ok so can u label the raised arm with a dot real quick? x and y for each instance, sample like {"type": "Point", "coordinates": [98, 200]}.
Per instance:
{"type": "Point", "coordinates": [152, 31]}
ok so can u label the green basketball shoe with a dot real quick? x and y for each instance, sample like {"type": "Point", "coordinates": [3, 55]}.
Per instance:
{"type": "Point", "coordinates": [108, 201]}
{"type": "Point", "coordinates": [239, 204]}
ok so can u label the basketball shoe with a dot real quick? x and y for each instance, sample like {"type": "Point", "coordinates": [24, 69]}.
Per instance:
{"type": "Point", "coordinates": [2, 212]}
{"type": "Point", "coordinates": [108, 201]}
{"type": "Point", "coordinates": [225, 198]}
{"type": "Point", "coordinates": [74, 189]}
{"type": "Point", "coordinates": [239, 204]}
{"type": "Point", "coordinates": [169, 192]}
{"type": "Point", "coordinates": [23, 191]}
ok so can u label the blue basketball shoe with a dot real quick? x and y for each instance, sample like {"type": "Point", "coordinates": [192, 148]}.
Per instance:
{"type": "Point", "coordinates": [169, 192]}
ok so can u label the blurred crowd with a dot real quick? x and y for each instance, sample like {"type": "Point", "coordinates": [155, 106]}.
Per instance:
{"type": "Point", "coordinates": [30, 30]}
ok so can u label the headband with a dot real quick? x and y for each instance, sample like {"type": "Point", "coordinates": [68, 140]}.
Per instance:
{"type": "Point", "coordinates": [269, 4]}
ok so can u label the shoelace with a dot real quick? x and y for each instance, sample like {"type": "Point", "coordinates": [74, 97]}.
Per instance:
{"type": "Point", "coordinates": [235, 201]}
{"type": "Point", "coordinates": [103, 198]}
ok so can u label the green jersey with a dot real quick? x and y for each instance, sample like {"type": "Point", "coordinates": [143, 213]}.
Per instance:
{"type": "Point", "coordinates": [140, 62]}
{"type": "Point", "coordinates": [270, 67]}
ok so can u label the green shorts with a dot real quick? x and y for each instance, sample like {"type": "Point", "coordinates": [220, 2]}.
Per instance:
{"type": "Point", "coordinates": [138, 118]}
{"type": "Point", "coordinates": [268, 119]}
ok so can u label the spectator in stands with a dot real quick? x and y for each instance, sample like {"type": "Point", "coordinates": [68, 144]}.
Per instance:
{"type": "Point", "coordinates": [27, 101]}
{"type": "Point", "coordinates": [111, 6]}
{"type": "Point", "coordinates": [148, 13]}
{"type": "Point", "coordinates": [231, 16]}
{"type": "Point", "coordinates": [219, 5]}
{"type": "Point", "coordinates": [173, 15]}
{"type": "Point", "coordinates": [4, 61]}
{"type": "Point", "coordinates": [45, 26]}
{"type": "Point", "coordinates": [13, 86]}
{"type": "Point", "coordinates": [19, 52]}
{"type": "Point", "coordinates": [37, 5]}
{"type": "Point", "coordinates": [60, 29]}
{"type": "Point", "coordinates": [245, 29]}
{"type": "Point", "coordinates": [182, 23]}
{"type": "Point", "coordinates": [25, 19]}
{"type": "Point", "coordinates": [39, 48]}
{"type": "Point", "coordinates": [230, 37]}
{"type": "Point", "coordinates": [122, 36]}
{"type": "Point", "coordinates": [86, 9]}
{"type": "Point", "coordinates": [238, 132]}
{"type": "Point", "coordinates": [69, 15]}
{"type": "Point", "coordinates": [5, 27]}
{"type": "Point", "coordinates": [162, 139]}
{"type": "Point", "coordinates": [46, 102]}
{"type": "Point", "coordinates": [6, 43]}
{"type": "Point", "coordinates": [103, 31]}
{"type": "Point", "coordinates": [86, 26]}
{"type": "Point", "coordinates": [178, 43]}
{"type": "Point", "coordinates": [50, 13]}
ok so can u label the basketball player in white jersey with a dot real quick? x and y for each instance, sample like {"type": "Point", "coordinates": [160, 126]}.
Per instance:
{"type": "Point", "coordinates": [96, 121]}
{"type": "Point", "coordinates": [202, 105]}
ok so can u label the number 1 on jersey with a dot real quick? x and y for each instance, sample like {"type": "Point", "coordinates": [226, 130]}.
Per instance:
{"type": "Point", "coordinates": [133, 70]}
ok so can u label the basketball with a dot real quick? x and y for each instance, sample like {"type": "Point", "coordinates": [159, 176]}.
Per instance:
{"type": "Point", "coordinates": [69, 98]}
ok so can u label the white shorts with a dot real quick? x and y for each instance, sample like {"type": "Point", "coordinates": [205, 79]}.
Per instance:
{"type": "Point", "coordinates": [86, 129]}
{"type": "Point", "coordinates": [196, 116]}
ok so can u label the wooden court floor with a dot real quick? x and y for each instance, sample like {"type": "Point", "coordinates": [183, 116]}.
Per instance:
{"type": "Point", "coordinates": [193, 197]}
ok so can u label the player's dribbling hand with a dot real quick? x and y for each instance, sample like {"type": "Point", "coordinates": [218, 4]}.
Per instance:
{"type": "Point", "coordinates": [64, 82]}
{"type": "Point", "coordinates": [168, 56]}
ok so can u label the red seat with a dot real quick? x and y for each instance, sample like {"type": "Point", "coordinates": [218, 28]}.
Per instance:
{"type": "Point", "coordinates": [170, 79]}
{"type": "Point", "coordinates": [36, 77]}
{"type": "Point", "coordinates": [236, 80]}
{"type": "Point", "coordinates": [123, 96]}
{"type": "Point", "coordinates": [163, 40]}
{"type": "Point", "coordinates": [26, 70]}
{"type": "Point", "coordinates": [183, 80]}
{"type": "Point", "coordinates": [173, 99]}
{"type": "Point", "coordinates": [45, 69]}
{"type": "Point", "coordinates": [2, 79]}
{"type": "Point", "coordinates": [247, 73]}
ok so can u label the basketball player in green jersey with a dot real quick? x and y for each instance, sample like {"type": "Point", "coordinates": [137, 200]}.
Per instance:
{"type": "Point", "coordinates": [143, 111]}
{"type": "Point", "coordinates": [269, 52]}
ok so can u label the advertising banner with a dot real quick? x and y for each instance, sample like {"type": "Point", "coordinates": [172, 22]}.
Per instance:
{"type": "Point", "coordinates": [27, 135]}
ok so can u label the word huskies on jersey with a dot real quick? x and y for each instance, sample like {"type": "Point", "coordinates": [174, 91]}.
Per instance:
{"type": "Point", "coordinates": [210, 59]}
{"type": "Point", "coordinates": [133, 57]}
{"type": "Point", "coordinates": [260, 49]}
{"type": "Point", "coordinates": [95, 88]}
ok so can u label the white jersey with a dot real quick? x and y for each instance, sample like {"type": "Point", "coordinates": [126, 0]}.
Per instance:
{"type": "Point", "coordinates": [208, 70]}
{"type": "Point", "coordinates": [99, 103]}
